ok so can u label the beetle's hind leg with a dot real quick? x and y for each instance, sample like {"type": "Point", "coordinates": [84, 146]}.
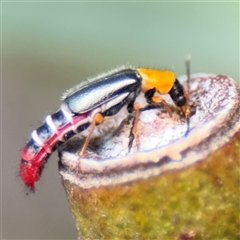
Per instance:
{"type": "Point", "coordinates": [98, 118]}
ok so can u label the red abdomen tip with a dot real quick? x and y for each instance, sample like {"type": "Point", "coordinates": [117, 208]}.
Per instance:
{"type": "Point", "coordinates": [30, 174]}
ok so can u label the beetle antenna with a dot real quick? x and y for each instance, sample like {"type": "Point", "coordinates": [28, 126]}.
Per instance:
{"type": "Point", "coordinates": [187, 113]}
{"type": "Point", "coordinates": [188, 126]}
{"type": "Point", "coordinates": [188, 58]}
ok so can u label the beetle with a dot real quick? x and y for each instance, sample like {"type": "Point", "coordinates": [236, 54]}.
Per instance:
{"type": "Point", "coordinates": [87, 104]}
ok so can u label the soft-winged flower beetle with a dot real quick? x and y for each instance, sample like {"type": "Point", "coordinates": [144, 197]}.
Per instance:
{"type": "Point", "coordinates": [86, 105]}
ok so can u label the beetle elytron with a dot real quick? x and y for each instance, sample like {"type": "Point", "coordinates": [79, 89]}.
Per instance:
{"type": "Point", "coordinates": [87, 104]}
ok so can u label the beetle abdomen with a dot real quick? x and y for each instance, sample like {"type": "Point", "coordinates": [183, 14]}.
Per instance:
{"type": "Point", "coordinates": [56, 129]}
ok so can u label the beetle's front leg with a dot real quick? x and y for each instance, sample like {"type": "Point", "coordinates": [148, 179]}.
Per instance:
{"type": "Point", "coordinates": [157, 100]}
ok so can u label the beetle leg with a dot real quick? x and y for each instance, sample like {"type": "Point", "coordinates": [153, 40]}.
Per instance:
{"type": "Point", "coordinates": [98, 118]}
{"type": "Point", "coordinates": [157, 100]}
{"type": "Point", "coordinates": [133, 132]}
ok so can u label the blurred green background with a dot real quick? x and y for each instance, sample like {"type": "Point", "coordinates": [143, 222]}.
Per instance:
{"type": "Point", "coordinates": [49, 46]}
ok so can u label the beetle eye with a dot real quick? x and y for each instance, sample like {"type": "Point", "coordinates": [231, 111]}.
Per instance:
{"type": "Point", "coordinates": [181, 101]}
